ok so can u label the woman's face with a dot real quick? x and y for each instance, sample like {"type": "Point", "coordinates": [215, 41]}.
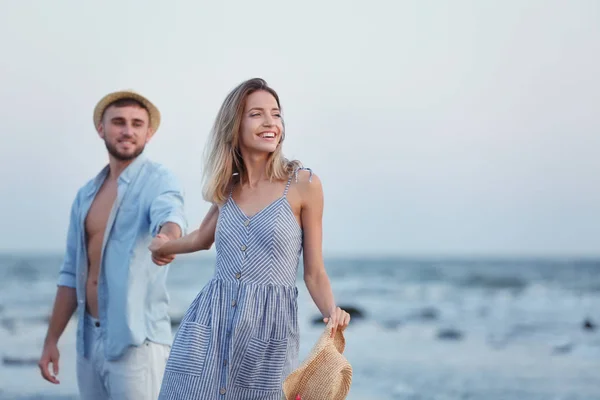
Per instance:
{"type": "Point", "coordinates": [261, 126]}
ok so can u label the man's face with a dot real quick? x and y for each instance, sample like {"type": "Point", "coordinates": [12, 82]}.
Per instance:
{"type": "Point", "coordinates": [125, 131]}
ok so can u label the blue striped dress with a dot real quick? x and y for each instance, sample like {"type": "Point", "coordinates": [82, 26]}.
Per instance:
{"type": "Point", "coordinates": [239, 337]}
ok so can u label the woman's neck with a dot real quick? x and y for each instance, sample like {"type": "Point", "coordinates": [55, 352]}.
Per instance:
{"type": "Point", "coordinates": [255, 169]}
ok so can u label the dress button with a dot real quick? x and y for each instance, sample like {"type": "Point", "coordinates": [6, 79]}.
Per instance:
{"type": "Point", "coordinates": [233, 303]}
{"type": "Point", "coordinates": [243, 247]}
{"type": "Point", "coordinates": [222, 391]}
{"type": "Point", "coordinates": [247, 222]}
{"type": "Point", "coordinates": [238, 275]}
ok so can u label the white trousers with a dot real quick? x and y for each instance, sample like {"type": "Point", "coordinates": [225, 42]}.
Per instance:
{"type": "Point", "coordinates": [135, 376]}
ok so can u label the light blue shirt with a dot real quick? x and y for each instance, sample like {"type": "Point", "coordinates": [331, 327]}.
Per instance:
{"type": "Point", "coordinates": [132, 295]}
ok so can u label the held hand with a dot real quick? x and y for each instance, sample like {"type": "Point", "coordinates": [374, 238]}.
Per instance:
{"type": "Point", "coordinates": [50, 354]}
{"type": "Point", "coordinates": [158, 257]}
{"type": "Point", "coordinates": [339, 318]}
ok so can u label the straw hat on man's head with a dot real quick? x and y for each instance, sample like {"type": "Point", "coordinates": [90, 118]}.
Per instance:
{"type": "Point", "coordinates": [325, 374]}
{"type": "Point", "coordinates": [112, 98]}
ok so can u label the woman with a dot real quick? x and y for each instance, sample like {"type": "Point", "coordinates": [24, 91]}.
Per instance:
{"type": "Point", "coordinates": [239, 337]}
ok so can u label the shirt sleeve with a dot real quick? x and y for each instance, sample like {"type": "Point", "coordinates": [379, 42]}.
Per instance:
{"type": "Point", "coordinates": [168, 205]}
{"type": "Point", "coordinates": [68, 270]}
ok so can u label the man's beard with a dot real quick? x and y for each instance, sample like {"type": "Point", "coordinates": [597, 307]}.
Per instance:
{"type": "Point", "coordinates": [112, 150]}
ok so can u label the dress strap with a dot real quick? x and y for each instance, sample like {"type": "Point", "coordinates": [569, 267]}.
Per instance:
{"type": "Point", "coordinates": [303, 169]}
{"type": "Point", "coordinates": [287, 187]}
{"type": "Point", "coordinates": [295, 176]}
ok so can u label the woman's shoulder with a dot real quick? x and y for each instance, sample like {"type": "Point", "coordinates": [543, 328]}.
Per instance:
{"type": "Point", "coordinates": [303, 174]}
{"type": "Point", "coordinates": [306, 182]}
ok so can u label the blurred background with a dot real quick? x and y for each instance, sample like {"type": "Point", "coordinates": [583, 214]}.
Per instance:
{"type": "Point", "coordinates": [456, 141]}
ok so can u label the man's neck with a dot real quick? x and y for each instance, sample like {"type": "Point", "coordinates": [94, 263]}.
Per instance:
{"type": "Point", "coordinates": [116, 167]}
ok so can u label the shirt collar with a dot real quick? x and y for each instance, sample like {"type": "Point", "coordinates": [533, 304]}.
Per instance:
{"type": "Point", "coordinates": [133, 169]}
{"type": "Point", "coordinates": [126, 176]}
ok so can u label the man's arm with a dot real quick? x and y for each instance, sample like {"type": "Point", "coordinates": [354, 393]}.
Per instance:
{"type": "Point", "coordinates": [171, 230]}
{"type": "Point", "coordinates": [200, 239]}
{"type": "Point", "coordinates": [65, 303]}
{"type": "Point", "coordinates": [167, 213]}
{"type": "Point", "coordinates": [166, 210]}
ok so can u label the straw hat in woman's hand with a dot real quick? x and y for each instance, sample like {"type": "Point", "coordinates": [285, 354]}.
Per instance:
{"type": "Point", "coordinates": [325, 374]}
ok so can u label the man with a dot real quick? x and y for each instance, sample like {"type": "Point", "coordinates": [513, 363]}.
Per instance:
{"type": "Point", "coordinates": [124, 330]}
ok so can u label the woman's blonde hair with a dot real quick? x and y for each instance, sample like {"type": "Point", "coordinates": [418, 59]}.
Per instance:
{"type": "Point", "coordinates": [223, 158]}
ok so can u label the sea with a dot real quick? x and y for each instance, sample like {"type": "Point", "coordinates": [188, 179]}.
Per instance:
{"type": "Point", "coordinates": [445, 328]}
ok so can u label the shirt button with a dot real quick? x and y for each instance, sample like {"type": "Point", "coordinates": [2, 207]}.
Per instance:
{"type": "Point", "coordinates": [238, 275]}
{"type": "Point", "coordinates": [222, 391]}
{"type": "Point", "coordinates": [247, 222]}
{"type": "Point", "coordinates": [225, 362]}
{"type": "Point", "coordinates": [233, 303]}
{"type": "Point", "coordinates": [97, 324]}
{"type": "Point", "coordinates": [243, 247]}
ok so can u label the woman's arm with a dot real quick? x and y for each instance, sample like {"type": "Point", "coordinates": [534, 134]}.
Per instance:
{"type": "Point", "coordinates": [200, 239]}
{"type": "Point", "coordinates": [315, 276]}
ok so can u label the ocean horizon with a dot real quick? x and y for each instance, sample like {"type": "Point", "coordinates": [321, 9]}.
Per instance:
{"type": "Point", "coordinates": [436, 327]}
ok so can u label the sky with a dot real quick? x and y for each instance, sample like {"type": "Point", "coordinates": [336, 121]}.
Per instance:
{"type": "Point", "coordinates": [437, 128]}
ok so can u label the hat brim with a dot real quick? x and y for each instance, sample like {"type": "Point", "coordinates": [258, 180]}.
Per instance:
{"type": "Point", "coordinates": [106, 101]}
